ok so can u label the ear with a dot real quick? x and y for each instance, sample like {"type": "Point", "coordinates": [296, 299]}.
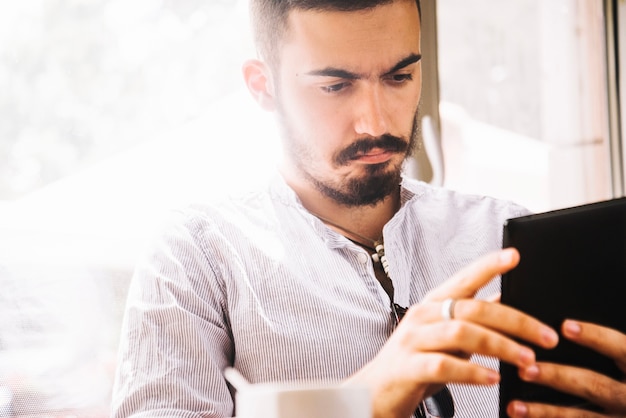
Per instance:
{"type": "Point", "coordinates": [258, 78]}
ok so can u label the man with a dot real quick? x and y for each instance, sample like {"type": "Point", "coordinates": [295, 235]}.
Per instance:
{"type": "Point", "coordinates": [308, 279]}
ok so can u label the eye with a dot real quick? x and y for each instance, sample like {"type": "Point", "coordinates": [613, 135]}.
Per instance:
{"type": "Point", "coordinates": [400, 78]}
{"type": "Point", "coordinates": [335, 88]}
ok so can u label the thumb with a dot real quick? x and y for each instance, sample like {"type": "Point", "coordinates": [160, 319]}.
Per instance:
{"type": "Point", "coordinates": [467, 281]}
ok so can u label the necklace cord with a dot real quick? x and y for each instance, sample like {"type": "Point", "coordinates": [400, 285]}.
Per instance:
{"type": "Point", "coordinates": [378, 256]}
{"type": "Point", "coordinates": [377, 246]}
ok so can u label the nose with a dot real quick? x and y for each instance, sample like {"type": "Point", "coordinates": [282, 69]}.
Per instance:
{"type": "Point", "coordinates": [371, 113]}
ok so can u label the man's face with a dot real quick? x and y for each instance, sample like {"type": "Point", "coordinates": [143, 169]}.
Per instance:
{"type": "Point", "coordinates": [347, 89]}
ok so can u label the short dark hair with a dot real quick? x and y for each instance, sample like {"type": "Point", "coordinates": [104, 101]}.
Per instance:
{"type": "Point", "coordinates": [269, 18]}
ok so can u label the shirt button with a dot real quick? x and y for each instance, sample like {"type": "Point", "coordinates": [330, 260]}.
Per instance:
{"type": "Point", "coordinates": [362, 258]}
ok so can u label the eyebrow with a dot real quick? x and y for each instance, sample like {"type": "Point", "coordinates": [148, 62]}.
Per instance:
{"type": "Point", "coordinates": [348, 75]}
{"type": "Point", "coordinates": [411, 59]}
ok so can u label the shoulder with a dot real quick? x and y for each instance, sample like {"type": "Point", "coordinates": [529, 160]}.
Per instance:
{"type": "Point", "coordinates": [239, 212]}
{"type": "Point", "coordinates": [237, 217]}
{"type": "Point", "coordinates": [439, 201]}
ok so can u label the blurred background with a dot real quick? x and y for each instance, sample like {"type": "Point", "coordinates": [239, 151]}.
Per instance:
{"type": "Point", "coordinates": [112, 113]}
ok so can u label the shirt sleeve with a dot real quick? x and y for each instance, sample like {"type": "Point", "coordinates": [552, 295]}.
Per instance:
{"type": "Point", "coordinates": [175, 341]}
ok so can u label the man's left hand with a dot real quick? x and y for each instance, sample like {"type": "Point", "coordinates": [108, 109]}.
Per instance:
{"type": "Point", "coordinates": [600, 390]}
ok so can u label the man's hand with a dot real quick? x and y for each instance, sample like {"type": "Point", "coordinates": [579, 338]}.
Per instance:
{"type": "Point", "coordinates": [428, 350]}
{"type": "Point", "coordinates": [597, 389]}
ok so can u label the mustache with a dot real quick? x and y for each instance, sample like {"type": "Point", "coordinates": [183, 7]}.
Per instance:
{"type": "Point", "coordinates": [388, 143]}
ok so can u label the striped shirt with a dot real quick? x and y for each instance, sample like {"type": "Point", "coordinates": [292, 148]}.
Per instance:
{"type": "Point", "coordinates": [260, 284]}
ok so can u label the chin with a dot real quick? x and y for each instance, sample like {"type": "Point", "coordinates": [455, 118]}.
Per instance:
{"type": "Point", "coordinates": [367, 190]}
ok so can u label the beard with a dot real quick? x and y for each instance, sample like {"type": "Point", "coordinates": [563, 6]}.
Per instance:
{"type": "Point", "coordinates": [379, 180]}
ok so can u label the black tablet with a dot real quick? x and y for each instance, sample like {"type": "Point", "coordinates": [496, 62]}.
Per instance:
{"type": "Point", "coordinates": [572, 265]}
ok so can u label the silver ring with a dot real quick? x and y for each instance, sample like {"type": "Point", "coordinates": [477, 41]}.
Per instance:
{"type": "Point", "coordinates": [447, 309]}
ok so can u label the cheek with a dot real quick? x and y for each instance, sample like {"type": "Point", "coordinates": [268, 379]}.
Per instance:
{"type": "Point", "coordinates": [405, 109]}
{"type": "Point", "coordinates": [319, 121]}
{"type": "Point", "coordinates": [319, 113]}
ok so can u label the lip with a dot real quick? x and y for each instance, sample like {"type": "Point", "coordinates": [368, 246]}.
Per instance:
{"type": "Point", "coordinates": [375, 156]}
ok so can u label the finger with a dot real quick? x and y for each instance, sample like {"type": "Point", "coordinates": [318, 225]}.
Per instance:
{"type": "Point", "coordinates": [466, 282]}
{"type": "Point", "coordinates": [455, 336]}
{"type": "Point", "coordinates": [444, 368]}
{"type": "Point", "coordinates": [596, 388]}
{"type": "Point", "coordinates": [517, 409]}
{"type": "Point", "coordinates": [507, 320]}
{"type": "Point", "coordinates": [606, 341]}
{"type": "Point", "coordinates": [494, 316]}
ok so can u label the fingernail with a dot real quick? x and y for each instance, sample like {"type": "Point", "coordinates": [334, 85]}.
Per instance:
{"type": "Point", "coordinates": [506, 256]}
{"type": "Point", "coordinates": [519, 409]}
{"type": "Point", "coordinates": [493, 377]}
{"type": "Point", "coordinates": [572, 328]}
{"type": "Point", "coordinates": [527, 356]}
{"type": "Point", "coordinates": [549, 336]}
{"type": "Point", "coordinates": [530, 372]}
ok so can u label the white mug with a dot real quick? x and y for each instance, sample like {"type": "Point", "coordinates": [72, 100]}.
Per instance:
{"type": "Point", "coordinates": [299, 399]}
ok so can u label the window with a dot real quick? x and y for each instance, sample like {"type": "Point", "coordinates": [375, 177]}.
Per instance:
{"type": "Point", "coordinates": [524, 100]}
{"type": "Point", "coordinates": [103, 103]}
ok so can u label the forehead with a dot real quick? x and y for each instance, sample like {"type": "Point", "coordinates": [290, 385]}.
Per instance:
{"type": "Point", "coordinates": [363, 41]}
